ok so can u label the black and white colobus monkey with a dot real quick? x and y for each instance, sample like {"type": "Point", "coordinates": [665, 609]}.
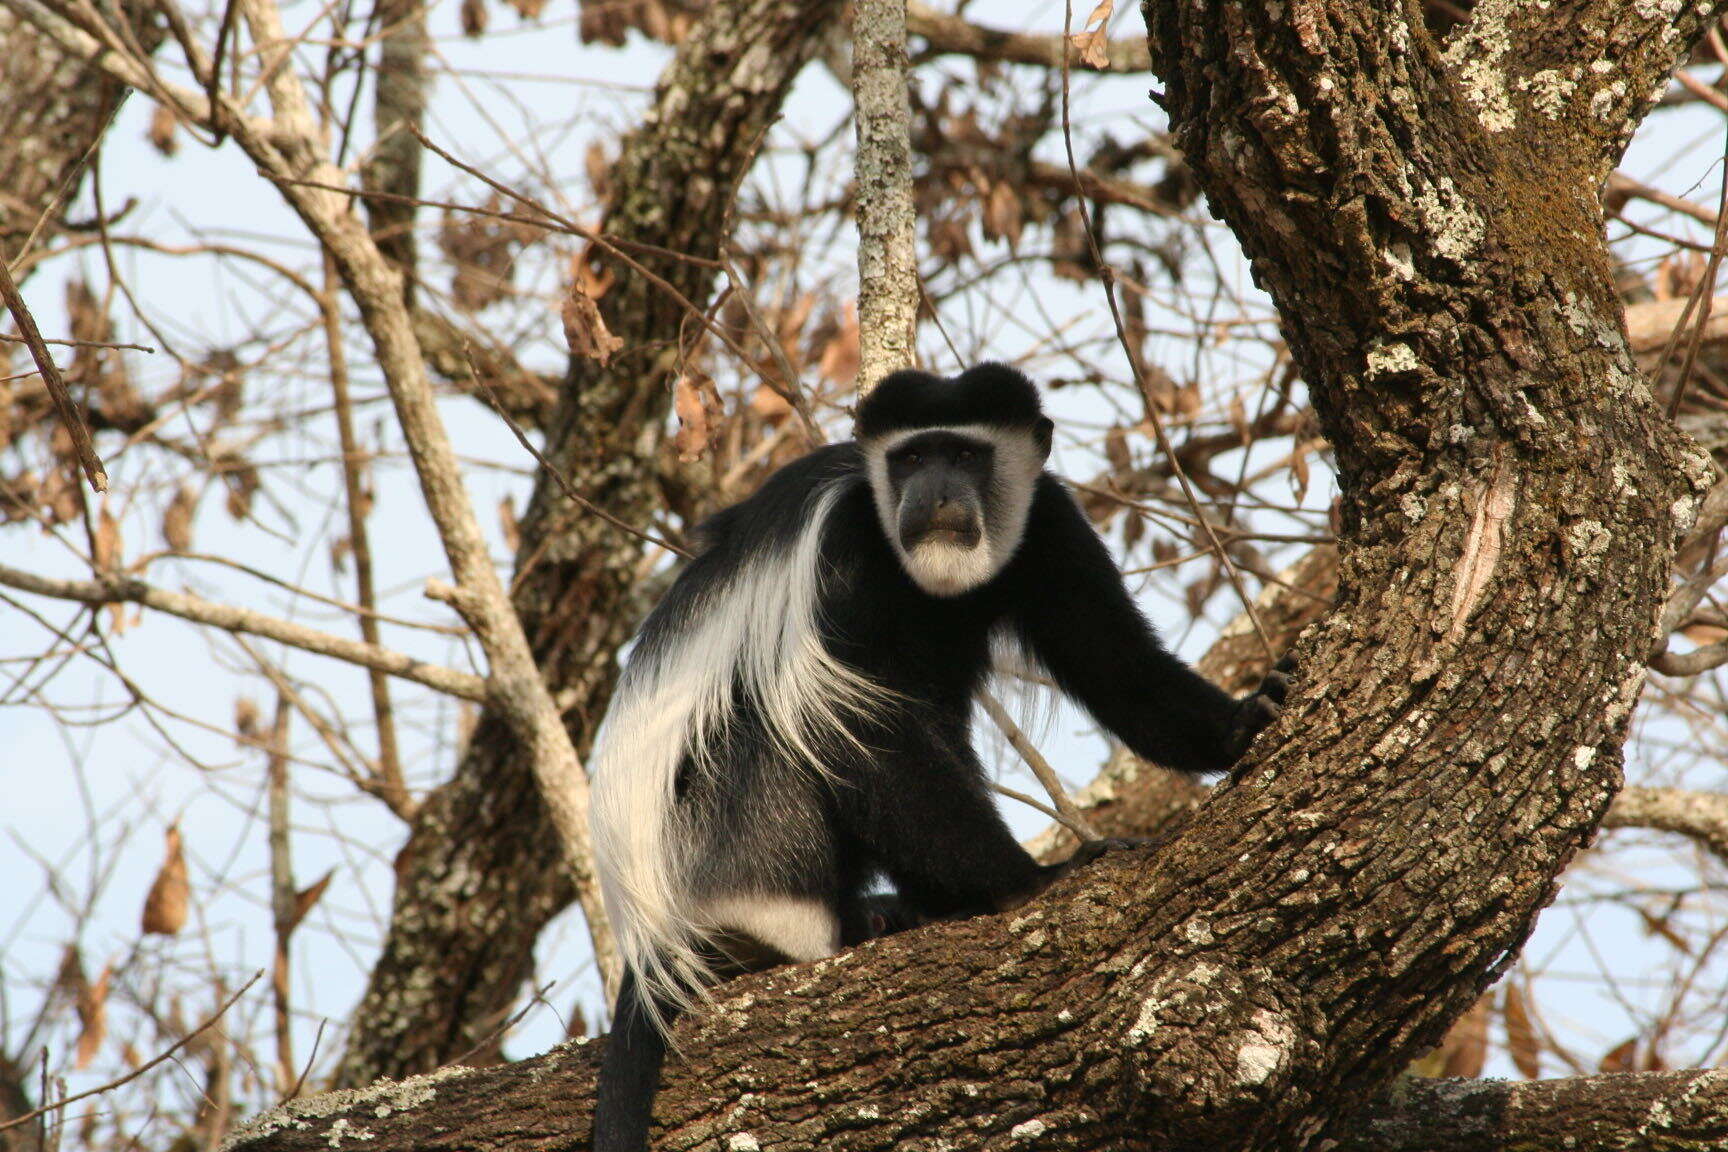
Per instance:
{"type": "Point", "coordinates": [793, 723]}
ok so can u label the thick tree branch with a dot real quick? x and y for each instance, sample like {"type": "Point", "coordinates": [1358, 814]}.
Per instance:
{"type": "Point", "coordinates": [1703, 816]}
{"type": "Point", "coordinates": [945, 32]}
{"type": "Point", "coordinates": [887, 224]}
{"type": "Point", "coordinates": [1630, 1112]}
{"type": "Point", "coordinates": [550, 1098]}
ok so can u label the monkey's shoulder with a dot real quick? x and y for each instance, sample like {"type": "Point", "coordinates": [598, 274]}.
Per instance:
{"type": "Point", "coordinates": [776, 513]}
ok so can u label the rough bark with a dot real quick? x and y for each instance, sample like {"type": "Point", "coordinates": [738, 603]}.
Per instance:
{"type": "Point", "coordinates": [478, 878]}
{"type": "Point", "coordinates": [1642, 1112]}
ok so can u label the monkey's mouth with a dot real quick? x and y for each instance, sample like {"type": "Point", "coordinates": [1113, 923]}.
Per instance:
{"type": "Point", "coordinates": [962, 536]}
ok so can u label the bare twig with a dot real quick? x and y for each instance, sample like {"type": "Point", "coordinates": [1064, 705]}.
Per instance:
{"type": "Point", "coordinates": [359, 537]}
{"type": "Point", "coordinates": [1070, 815]}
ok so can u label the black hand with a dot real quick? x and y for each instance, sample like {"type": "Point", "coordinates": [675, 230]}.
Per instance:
{"type": "Point", "coordinates": [1090, 850]}
{"type": "Point", "coordinates": [1259, 710]}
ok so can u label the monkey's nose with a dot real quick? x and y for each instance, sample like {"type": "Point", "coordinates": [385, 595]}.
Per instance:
{"type": "Point", "coordinates": [951, 516]}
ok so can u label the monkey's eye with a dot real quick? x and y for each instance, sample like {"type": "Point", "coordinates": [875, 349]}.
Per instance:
{"type": "Point", "coordinates": [913, 458]}
{"type": "Point", "coordinates": [966, 456]}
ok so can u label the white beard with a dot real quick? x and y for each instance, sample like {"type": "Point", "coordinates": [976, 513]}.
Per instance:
{"type": "Point", "coordinates": [943, 568]}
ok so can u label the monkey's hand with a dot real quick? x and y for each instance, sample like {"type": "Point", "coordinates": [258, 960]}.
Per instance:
{"type": "Point", "coordinates": [1091, 850]}
{"type": "Point", "coordinates": [1261, 707]}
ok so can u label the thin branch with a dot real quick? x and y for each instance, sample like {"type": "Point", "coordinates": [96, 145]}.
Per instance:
{"type": "Point", "coordinates": [114, 589]}
{"type": "Point", "coordinates": [14, 301]}
{"type": "Point", "coordinates": [1066, 811]}
{"type": "Point", "coordinates": [8, 338]}
{"type": "Point", "coordinates": [359, 538]}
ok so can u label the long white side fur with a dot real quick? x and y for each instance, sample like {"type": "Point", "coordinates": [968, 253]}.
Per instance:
{"type": "Point", "coordinates": [942, 568]}
{"type": "Point", "coordinates": [759, 632]}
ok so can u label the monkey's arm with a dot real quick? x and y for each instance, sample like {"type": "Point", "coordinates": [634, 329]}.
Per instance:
{"type": "Point", "coordinates": [1075, 616]}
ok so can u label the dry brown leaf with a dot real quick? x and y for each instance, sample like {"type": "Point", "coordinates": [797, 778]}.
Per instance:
{"type": "Point", "coordinates": [584, 330]}
{"type": "Point", "coordinates": [576, 1027]}
{"type": "Point", "coordinates": [92, 1018]}
{"type": "Point", "coordinates": [838, 362]}
{"type": "Point", "coordinates": [482, 251]}
{"type": "Point", "coordinates": [229, 392]}
{"type": "Point", "coordinates": [1003, 218]}
{"type": "Point", "coordinates": [789, 328]}
{"type": "Point", "coordinates": [1620, 1058]}
{"type": "Point", "coordinates": [599, 169]}
{"type": "Point", "coordinates": [1093, 43]}
{"type": "Point", "coordinates": [1702, 633]}
{"type": "Point", "coordinates": [509, 525]}
{"type": "Point", "coordinates": [170, 894]}
{"type": "Point", "coordinates": [948, 237]}
{"type": "Point", "coordinates": [528, 9]}
{"type": "Point", "coordinates": [1466, 1045]}
{"type": "Point", "coordinates": [1678, 275]}
{"type": "Point", "coordinates": [1238, 417]}
{"type": "Point", "coordinates": [242, 478]}
{"type": "Point", "coordinates": [59, 496]}
{"type": "Point", "coordinates": [246, 717]}
{"type": "Point", "coordinates": [475, 17]}
{"type": "Point", "coordinates": [1521, 1039]}
{"type": "Point", "coordinates": [162, 131]}
{"type": "Point", "coordinates": [307, 898]}
{"type": "Point", "coordinates": [1116, 451]}
{"type": "Point", "coordinates": [177, 519]}
{"type": "Point", "coordinates": [107, 540]}
{"type": "Point", "coordinates": [696, 402]}
{"type": "Point", "coordinates": [1133, 529]}
{"type": "Point", "coordinates": [769, 404]}
{"type": "Point", "coordinates": [1299, 473]}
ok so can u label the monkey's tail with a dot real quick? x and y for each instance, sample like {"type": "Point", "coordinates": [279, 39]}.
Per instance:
{"type": "Point", "coordinates": [630, 1070]}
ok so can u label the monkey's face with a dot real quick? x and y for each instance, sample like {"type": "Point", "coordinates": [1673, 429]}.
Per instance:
{"type": "Point", "coordinates": [953, 501]}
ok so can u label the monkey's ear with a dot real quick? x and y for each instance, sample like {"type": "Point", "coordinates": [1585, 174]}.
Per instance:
{"type": "Point", "coordinates": [1043, 433]}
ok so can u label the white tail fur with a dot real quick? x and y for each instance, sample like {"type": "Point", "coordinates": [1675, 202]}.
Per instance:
{"type": "Point", "coordinates": [757, 633]}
